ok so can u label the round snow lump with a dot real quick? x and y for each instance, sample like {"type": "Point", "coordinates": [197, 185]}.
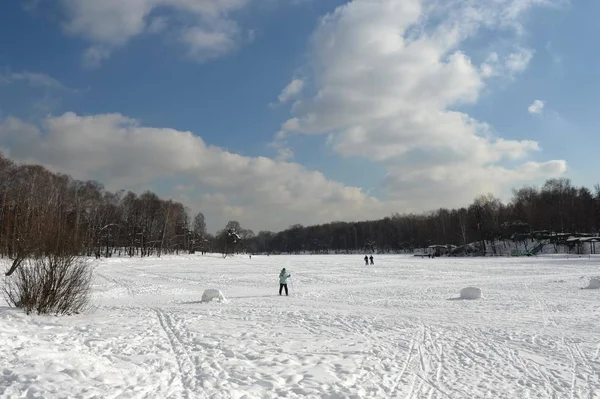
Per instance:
{"type": "Point", "coordinates": [470, 293]}
{"type": "Point", "coordinates": [594, 283]}
{"type": "Point", "coordinates": [213, 295]}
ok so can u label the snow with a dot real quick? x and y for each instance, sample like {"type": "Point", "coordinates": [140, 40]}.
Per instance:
{"type": "Point", "coordinates": [213, 295]}
{"type": "Point", "coordinates": [470, 293]}
{"type": "Point", "coordinates": [346, 331]}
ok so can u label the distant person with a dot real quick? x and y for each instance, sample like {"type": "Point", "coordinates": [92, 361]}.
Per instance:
{"type": "Point", "coordinates": [283, 277]}
{"type": "Point", "coordinates": [250, 256]}
{"type": "Point", "coordinates": [371, 259]}
{"type": "Point", "coordinates": [366, 260]}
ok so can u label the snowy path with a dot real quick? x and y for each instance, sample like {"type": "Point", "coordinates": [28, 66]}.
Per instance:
{"type": "Point", "coordinates": [347, 331]}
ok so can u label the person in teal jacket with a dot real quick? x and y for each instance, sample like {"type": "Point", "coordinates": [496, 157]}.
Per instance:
{"type": "Point", "coordinates": [283, 277]}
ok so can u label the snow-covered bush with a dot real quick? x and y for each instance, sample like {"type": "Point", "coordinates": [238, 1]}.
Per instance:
{"type": "Point", "coordinates": [213, 295]}
{"type": "Point", "coordinates": [51, 284]}
{"type": "Point", "coordinates": [470, 293]}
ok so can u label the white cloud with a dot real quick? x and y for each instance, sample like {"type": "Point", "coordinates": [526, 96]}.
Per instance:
{"type": "Point", "coordinates": [490, 67]}
{"type": "Point", "coordinates": [281, 146]}
{"type": "Point", "coordinates": [518, 61]}
{"type": "Point", "coordinates": [293, 89]}
{"type": "Point", "coordinates": [389, 75]}
{"type": "Point", "coordinates": [33, 79]}
{"type": "Point", "coordinates": [94, 56]}
{"type": "Point", "coordinates": [205, 44]}
{"type": "Point", "coordinates": [47, 91]}
{"type": "Point", "coordinates": [508, 66]}
{"type": "Point", "coordinates": [537, 107]}
{"type": "Point", "coordinates": [158, 25]}
{"type": "Point", "coordinates": [284, 154]}
{"type": "Point", "coordinates": [205, 26]}
{"type": "Point", "coordinates": [118, 151]}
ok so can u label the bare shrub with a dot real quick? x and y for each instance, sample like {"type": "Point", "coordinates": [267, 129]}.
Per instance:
{"type": "Point", "coordinates": [52, 284]}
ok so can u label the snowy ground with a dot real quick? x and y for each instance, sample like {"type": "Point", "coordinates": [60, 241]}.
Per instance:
{"type": "Point", "coordinates": [347, 331]}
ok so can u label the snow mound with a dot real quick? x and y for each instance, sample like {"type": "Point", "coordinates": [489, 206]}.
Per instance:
{"type": "Point", "coordinates": [213, 295]}
{"type": "Point", "coordinates": [470, 293]}
{"type": "Point", "coordinates": [593, 284]}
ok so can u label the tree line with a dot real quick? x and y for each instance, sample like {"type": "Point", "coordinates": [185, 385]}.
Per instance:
{"type": "Point", "coordinates": [551, 211]}
{"type": "Point", "coordinates": [42, 213]}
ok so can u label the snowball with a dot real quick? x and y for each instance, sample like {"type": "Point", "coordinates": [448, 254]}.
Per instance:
{"type": "Point", "coordinates": [594, 283]}
{"type": "Point", "coordinates": [211, 295]}
{"type": "Point", "coordinates": [470, 293]}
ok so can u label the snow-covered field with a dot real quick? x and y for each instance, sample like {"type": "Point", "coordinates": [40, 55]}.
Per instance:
{"type": "Point", "coordinates": [347, 331]}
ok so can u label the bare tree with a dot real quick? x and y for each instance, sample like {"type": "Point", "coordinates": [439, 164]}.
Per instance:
{"type": "Point", "coordinates": [199, 225]}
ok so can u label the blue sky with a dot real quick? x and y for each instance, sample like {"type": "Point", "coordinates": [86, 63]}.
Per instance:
{"type": "Point", "coordinates": [399, 106]}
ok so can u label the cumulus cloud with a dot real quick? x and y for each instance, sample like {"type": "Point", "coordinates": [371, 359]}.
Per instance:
{"type": "Point", "coordinates": [537, 107]}
{"type": "Point", "coordinates": [389, 77]}
{"type": "Point", "coordinates": [121, 153]}
{"type": "Point", "coordinates": [204, 26]}
{"type": "Point", "coordinates": [261, 193]}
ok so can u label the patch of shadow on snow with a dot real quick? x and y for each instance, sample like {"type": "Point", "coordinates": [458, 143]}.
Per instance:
{"type": "Point", "coordinates": [460, 299]}
{"type": "Point", "coordinates": [190, 303]}
{"type": "Point", "coordinates": [6, 311]}
{"type": "Point", "coordinates": [231, 297]}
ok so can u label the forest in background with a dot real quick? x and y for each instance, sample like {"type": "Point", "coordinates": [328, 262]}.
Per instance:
{"type": "Point", "coordinates": [43, 213]}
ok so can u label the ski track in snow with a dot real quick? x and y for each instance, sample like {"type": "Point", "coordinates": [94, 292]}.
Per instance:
{"type": "Point", "coordinates": [187, 373]}
{"type": "Point", "coordinates": [346, 331]}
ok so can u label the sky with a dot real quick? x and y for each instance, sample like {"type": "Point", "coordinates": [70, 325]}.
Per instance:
{"type": "Point", "coordinates": [275, 113]}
